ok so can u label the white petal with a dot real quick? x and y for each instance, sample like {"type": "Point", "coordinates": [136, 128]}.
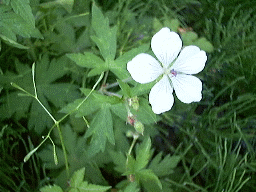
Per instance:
{"type": "Point", "coordinates": [144, 68]}
{"type": "Point", "coordinates": [166, 46]}
{"type": "Point", "coordinates": [190, 61]}
{"type": "Point", "coordinates": [187, 88]}
{"type": "Point", "coordinates": [160, 96]}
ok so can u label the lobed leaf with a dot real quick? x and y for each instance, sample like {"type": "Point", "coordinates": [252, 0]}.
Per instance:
{"type": "Point", "coordinates": [143, 154]}
{"type": "Point", "coordinates": [162, 167]}
{"type": "Point", "coordinates": [105, 36]}
{"type": "Point", "coordinates": [101, 130]}
{"type": "Point", "coordinates": [51, 188]}
{"type": "Point", "coordinates": [77, 178]}
{"type": "Point", "coordinates": [22, 8]}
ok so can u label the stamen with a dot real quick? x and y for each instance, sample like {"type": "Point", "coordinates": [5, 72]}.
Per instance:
{"type": "Point", "coordinates": [174, 73]}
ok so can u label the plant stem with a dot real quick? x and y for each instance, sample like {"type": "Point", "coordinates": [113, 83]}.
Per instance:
{"type": "Point", "coordinates": [64, 150]}
{"type": "Point", "coordinates": [116, 83]}
{"type": "Point", "coordinates": [133, 143]}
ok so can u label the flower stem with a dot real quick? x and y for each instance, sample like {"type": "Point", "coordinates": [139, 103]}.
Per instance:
{"type": "Point", "coordinates": [64, 150]}
{"type": "Point", "coordinates": [116, 83]}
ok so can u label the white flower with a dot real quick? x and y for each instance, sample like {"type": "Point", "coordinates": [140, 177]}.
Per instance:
{"type": "Point", "coordinates": [175, 68]}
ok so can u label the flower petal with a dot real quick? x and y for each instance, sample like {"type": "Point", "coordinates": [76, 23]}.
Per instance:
{"type": "Point", "coordinates": [144, 68]}
{"type": "Point", "coordinates": [187, 88]}
{"type": "Point", "coordinates": [160, 96]}
{"type": "Point", "coordinates": [190, 61]}
{"type": "Point", "coordinates": [166, 46]}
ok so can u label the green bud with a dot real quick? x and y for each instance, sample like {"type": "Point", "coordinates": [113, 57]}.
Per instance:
{"type": "Point", "coordinates": [139, 127]}
{"type": "Point", "coordinates": [129, 133]}
{"type": "Point", "coordinates": [134, 103]}
{"type": "Point", "coordinates": [133, 134]}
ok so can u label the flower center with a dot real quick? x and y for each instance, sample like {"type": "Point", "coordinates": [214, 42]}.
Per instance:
{"type": "Point", "coordinates": [174, 73]}
{"type": "Point", "coordinates": [171, 72]}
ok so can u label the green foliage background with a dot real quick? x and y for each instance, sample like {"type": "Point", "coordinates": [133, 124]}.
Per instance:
{"type": "Point", "coordinates": [65, 93]}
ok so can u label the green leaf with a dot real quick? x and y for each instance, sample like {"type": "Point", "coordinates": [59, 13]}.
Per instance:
{"type": "Point", "coordinates": [88, 107]}
{"type": "Point", "coordinates": [22, 8]}
{"type": "Point", "coordinates": [132, 187]}
{"type": "Point", "coordinates": [130, 165]}
{"type": "Point", "coordinates": [97, 71]}
{"type": "Point", "coordinates": [58, 94]}
{"type": "Point", "coordinates": [86, 187]}
{"type": "Point", "coordinates": [7, 33]}
{"type": "Point", "coordinates": [145, 113]}
{"type": "Point", "coordinates": [143, 154]}
{"type": "Point", "coordinates": [101, 129]}
{"type": "Point", "coordinates": [12, 42]}
{"type": "Point", "coordinates": [163, 167]}
{"type": "Point", "coordinates": [125, 88]}
{"type": "Point", "coordinates": [67, 4]}
{"type": "Point", "coordinates": [157, 25]}
{"type": "Point", "coordinates": [119, 70]}
{"type": "Point", "coordinates": [77, 178]}
{"type": "Point", "coordinates": [47, 156]}
{"type": "Point", "coordinates": [76, 147]}
{"type": "Point", "coordinates": [119, 160]}
{"type": "Point", "coordinates": [127, 56]}
{"type": "Point", "coordinates": [120, 111]}
{"type": "Point", "coordinates": [91, 105]}
{"type": "Point", "coordinates": [148, 179]}
{"type": "Point", "coordinates": [173, 24]}
{"type": "Point", "coordinates": [204, 44]}
{"type": "Point", "coordinates": [119, 66]}
{"type": "Point", "coordinates": [189, 37]}
{"type": "Point", "coordinates": [102, 98]}
{"type": "Point", "coordinates": [141, 89]}
{"type": "Point", "coordinates": [105, 36]}
{"type": "Point", "coordinates": [51, 188]}
{"type": "Point", "coordinates": [12, 24]}
{"type": "Point", "coordinates": [86, 59]}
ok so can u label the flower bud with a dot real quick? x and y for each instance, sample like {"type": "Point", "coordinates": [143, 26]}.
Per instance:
{"type": "Point", "coordinates": [134, 103]}
{"type": "Point", "coordinates": [139, 127]}
{"type": "Point", "coordinates": [131, 119]}
{"type": "Point", "coordinates": [129, 133]}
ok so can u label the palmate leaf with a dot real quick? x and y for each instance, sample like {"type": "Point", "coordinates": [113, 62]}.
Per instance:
{"type": "Point", "coordinates": [164, 167]}
{"type": "Point", "coordinates": [101, 126]}
{"type": "Point", "coordinates": [118, 66]}
{"type": "Point", "coordinates": [51, 188]}
{"type": "Point", "coordinates": [78, 185]}
{"type": "Point", "coordinates": [105, 39]}
{"type": "Point", "coordinates": [101, 130]}
{"type": "Point", "coordinates": [132, 187]}
{"type": "Point", "coordinates": [22, 8]}
{"type": "Point", "coordinates": [138, 167]}
{"type": "Point", "coordinates": [16, 18]}
{"type": "Point", "coordinates": [48, 91]}
{"type": "Point", "coordinates": [64, 39]}
{"type": "Point", "coordinates": [13, 104]}
{"type": "Point", "coordinates": [77, 149]}
{"type": "Point", "coordinates": [143, 154]}
{"type": "Point", "coordinates": [91, 105]}
{"type": "Point", "coordinates": [149, 180]}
